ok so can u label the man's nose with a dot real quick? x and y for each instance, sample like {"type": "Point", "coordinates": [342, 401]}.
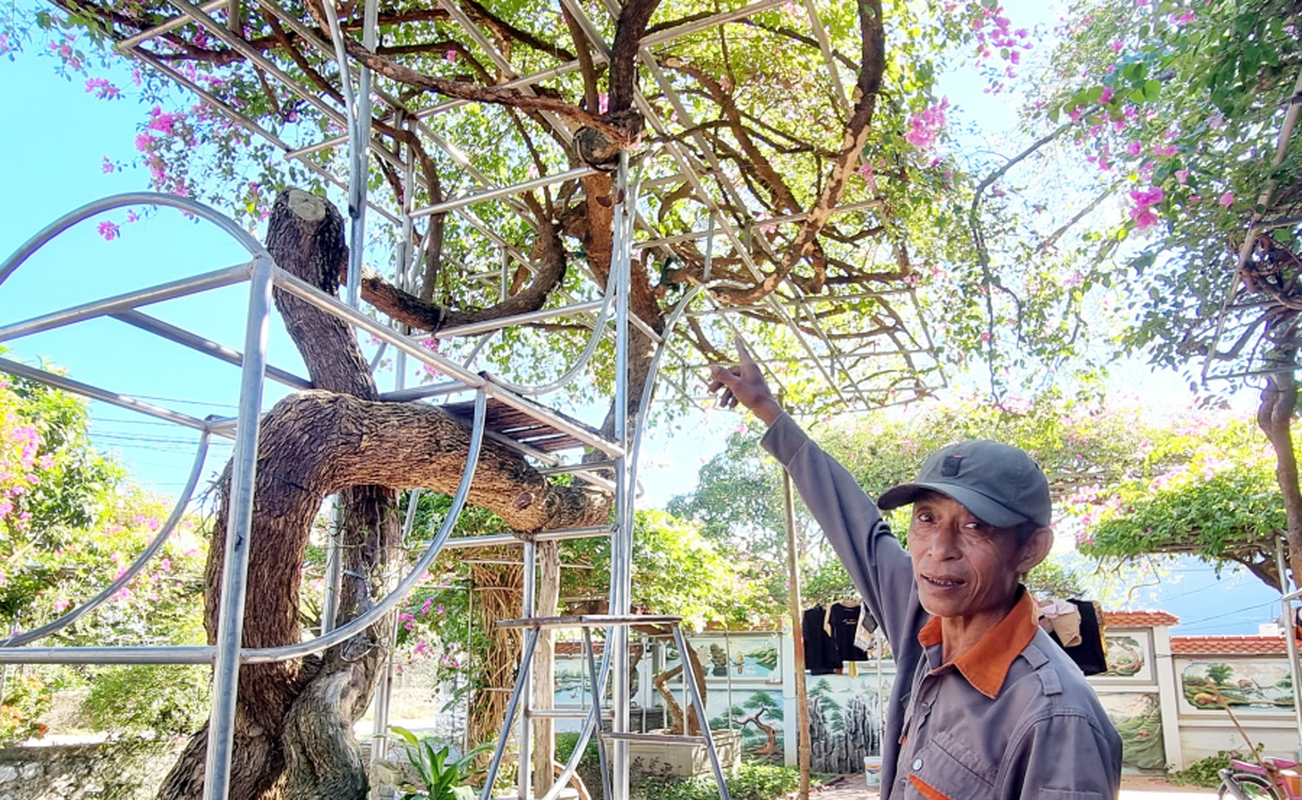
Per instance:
{"type": "Point", "coordinates": [944, 542]}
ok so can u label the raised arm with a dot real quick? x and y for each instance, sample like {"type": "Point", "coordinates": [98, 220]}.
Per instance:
{"type": "Point", "coordinates": [850, 521]}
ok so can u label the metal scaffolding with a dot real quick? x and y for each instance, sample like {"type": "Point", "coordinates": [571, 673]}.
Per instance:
{"type": "Point", "coordinates": [875, 351]}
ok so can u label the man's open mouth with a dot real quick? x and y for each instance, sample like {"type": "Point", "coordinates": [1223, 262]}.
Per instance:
{"type": "Point", "coordinates": [943, 582]}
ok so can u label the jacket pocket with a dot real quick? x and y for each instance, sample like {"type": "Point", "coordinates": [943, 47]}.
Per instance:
{"type": "Point", "coordinates": [944, 768]}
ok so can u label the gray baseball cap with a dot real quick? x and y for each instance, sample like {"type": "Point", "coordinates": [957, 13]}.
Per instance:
{"type": "Point", "coordinates": [998, 483]}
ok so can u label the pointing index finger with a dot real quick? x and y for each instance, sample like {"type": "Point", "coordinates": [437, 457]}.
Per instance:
{"type": "Point", "coordinates": [743, 354]}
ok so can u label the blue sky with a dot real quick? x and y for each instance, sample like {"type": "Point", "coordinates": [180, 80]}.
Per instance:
{"type": "Point", "coordinates": [54, 165]}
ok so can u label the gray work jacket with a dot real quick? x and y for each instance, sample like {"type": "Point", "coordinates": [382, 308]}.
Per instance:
{"type": "Point", "coordinates": [1039, 733]}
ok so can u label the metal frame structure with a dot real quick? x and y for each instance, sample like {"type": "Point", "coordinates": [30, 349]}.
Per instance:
{"type": "Point", "coordinates": [227, 654]}
{"type": "Point", "coordinates": [876, 368]}
{"type": "Point", "coordinates": [859, 371]}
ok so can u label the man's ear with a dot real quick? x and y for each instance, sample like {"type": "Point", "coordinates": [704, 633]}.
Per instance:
{"type": "Point", "coordinates": [1035, 550]}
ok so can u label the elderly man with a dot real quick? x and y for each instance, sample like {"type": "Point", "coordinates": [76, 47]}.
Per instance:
{"type": "Point", "coordinates": [984, 704]}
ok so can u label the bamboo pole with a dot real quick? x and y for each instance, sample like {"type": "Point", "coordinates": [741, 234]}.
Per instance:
{"type": "Point", "coordinates": [798, 642]}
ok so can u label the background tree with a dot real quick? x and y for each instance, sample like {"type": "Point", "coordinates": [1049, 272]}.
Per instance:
{"type": "Point", "coordinates": [1209, 492]}
{"type": "Point", "coordinates": [1180, 109]}
{"type": "Point", "coordinates": [68, 519]}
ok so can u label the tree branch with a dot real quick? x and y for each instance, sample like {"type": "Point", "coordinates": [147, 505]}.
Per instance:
{"type": "Point", "coordinates": [856, 136]}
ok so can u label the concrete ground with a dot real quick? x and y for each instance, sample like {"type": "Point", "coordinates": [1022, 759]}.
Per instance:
{"type": "Point", "coordinates": [1133, 787]}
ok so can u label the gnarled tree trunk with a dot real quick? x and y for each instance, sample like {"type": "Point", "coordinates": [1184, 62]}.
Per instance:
{"type": "Point", "coordinates": [293, 736]}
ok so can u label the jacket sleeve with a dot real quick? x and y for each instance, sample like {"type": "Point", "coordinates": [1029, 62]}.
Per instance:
{"type": "Point", "coordinates": [873, 557]}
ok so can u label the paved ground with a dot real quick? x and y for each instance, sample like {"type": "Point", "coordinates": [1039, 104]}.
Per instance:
{"type": "Point", "coordinates": [851, 787]}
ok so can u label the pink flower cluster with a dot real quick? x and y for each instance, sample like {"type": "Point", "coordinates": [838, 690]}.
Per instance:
{"type": "Point", "coordinates": [63, 49]}
{"type": "Point", "coordinates": [995, 35]}
{"type": "Point", "coordinates": [163, 123]}
{"type": "Point", "coordinates": [19, 463]}
{"type": "Point", "coordinates": [925, 127]}
{"type": "Point", "coordinates": [1142, 211]}
{"type": "Point", "coordinates": [102, 89]}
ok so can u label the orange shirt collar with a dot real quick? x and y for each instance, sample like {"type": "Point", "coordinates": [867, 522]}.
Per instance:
{"type": "Point", "coordinates": [986, 665]}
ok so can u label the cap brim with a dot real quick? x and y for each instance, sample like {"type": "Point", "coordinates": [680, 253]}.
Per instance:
{"type": "Point", "coordinates": [985, 509]}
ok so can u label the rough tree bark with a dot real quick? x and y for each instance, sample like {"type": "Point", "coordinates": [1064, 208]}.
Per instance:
{"type": "Point", "coordinates": [1278, 404]}
{"type": "Point", "coordinates": [294, 721]}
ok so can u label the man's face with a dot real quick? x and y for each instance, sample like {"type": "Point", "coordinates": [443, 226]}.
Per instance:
{"type": "Point", "coordinates": [964, 567]}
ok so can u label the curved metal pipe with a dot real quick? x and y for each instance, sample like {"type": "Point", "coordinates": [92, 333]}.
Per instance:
{"type": "Point", "coordinates": [526, 660]}
{"type": "Point", "coordinates": [160, 538]}
{"type": "Point", "coordinates": [644, 403]}
{"type": "Point", "coordinates": [89, 210]}
{"type": "Point", "coordinates": [598, 332]}
{"type": "Point", "coordinates": [262, 655]}
{"type": "Point", "coordinates": [355, 626]}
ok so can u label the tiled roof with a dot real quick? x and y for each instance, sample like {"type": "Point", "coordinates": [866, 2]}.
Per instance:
{"type": "Point", "coordinates": [1228, 645]}
{"type": "Point", "coordinates": [1138, 619]}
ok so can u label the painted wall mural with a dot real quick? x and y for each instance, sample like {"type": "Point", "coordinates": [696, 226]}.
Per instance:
{"type": "Point", "coordinates": [1242, 684]}
{"type": "Point", "coordinates": [845, 719]}
{"type": "Point", "coordinates": [758, 715]}
{"type": "Point", "coordinates": [1138, 719]}
{"type": "Point", "coordinates": [1129, 656]}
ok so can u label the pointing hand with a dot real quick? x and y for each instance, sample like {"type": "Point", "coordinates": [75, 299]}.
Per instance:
{"type": "Point", "coordinates": [745, 384]}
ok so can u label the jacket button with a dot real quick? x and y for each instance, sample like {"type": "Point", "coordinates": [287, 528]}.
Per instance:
{"type": "Point", "coordinates": [917, 763]}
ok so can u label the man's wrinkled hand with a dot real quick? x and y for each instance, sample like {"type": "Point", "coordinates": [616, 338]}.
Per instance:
{"type": "Point", "coordinates": [744, 384]}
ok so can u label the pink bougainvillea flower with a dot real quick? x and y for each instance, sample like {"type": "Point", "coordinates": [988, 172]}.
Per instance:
{"type": "Point", "coordinates": [1142, 212]}
{"type": "Point", "coordinates": [1106, 97]}
{"type": "Point", "coordinates": [924, 127]}
{"type": "Point", "coordinates": [1144, 219]}
{"type": "Point", "coordinates": [1151, 197]}
{"type": "Point", "coordinates": [5, 47]}
{"type": "Point", "coordinates": [163, 123]}
{"type": "Point", "coordinates": [1134, 148]}
{"type": "Point", "coordinates": [450, 56]}
{"type": "Point", "coordinates": [1165, 150]}
{"type": "Point", "coordinates": [1193, 198]}
{"type": "Point", "coordinates": [108, 230]}
{"type": "Point", "coordinates": [1182, 175]}
{"type": "Point", "coordinates": [1226, 199]}
{"type": "Point", "coordinates": [102, 89]}
{"type": "Point", "coordinates": [1117, 45]}
{"type": "Point", "coordinates": [106, 166]}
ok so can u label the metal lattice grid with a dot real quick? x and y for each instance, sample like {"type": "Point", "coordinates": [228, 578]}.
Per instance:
{"type": "Point", "coordinates": [875, 349]}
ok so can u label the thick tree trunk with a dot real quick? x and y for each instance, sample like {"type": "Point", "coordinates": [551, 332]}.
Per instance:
{"type": "Point", "coordinates": [294, 720]}
{"type": "Point", "coordinates": [1275, 418]}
